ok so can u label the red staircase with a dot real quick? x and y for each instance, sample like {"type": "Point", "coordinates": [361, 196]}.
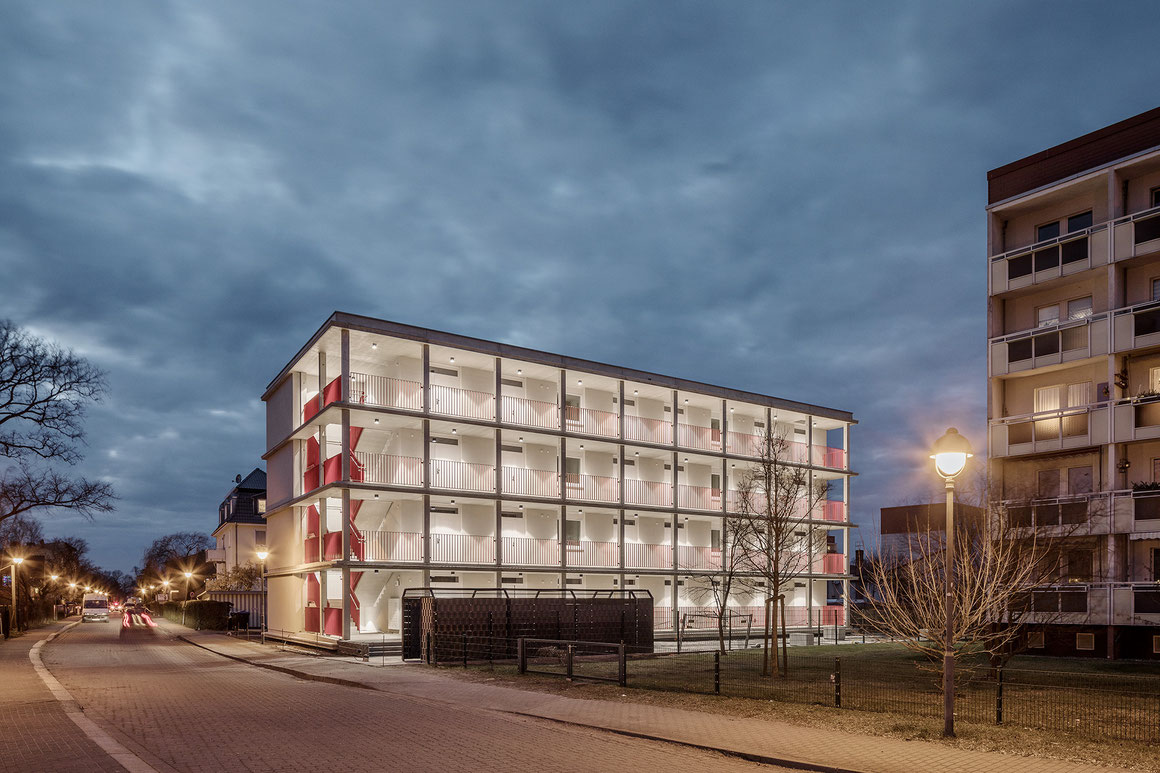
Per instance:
{"type": "Point", "coordinates": [313, 596]}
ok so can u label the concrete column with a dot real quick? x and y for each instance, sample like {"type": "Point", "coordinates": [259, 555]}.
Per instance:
{"type": "Point", "coordinates": [323, 595]}
{"type": "Point", "coordinates": [673, 483]}
{"type": "Point", "coordinates": [498, 438]}
{"type": "Point", "coordinates": [563, 467]}
{"type": "Point", "coordinates": [724, 426]}
{"type": "Point", "coordinates": [427, 379]}
{"type": "Point", "coordinates": [344, 393]}
{"type": "Point", "coordinates": [426, 534]}
{"type": "Point", "coordinates": [347, 604]}
{"type": "Point", "coordinates": [620, 420]}
{"type": "Point", "coordinates": [499, 537]}
{"type": "Point", "coordinates": [563, 539]}
{"type": "Point", "coordinates": [675, 422]}
{"type": "Point", "coordinates": [321, 379]}
{"type": "Point", "coordinates": [620, 546]}
{"type": "Point", "coordinates": [676, 577]}
{"type": "Point", "coordinates": [563, 398]}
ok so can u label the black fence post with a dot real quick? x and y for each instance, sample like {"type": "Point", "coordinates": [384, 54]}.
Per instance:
{"type": "Point", "coordinates": [999, 696]}
{"type": "Point", "coordinates": [568, 660]}
{"type": "Point", "coordinates": [465, 650]}
{"type": "Point", "coordinates": [429, 661]}
{"type": "Point", "coordinates": [623, 675]}
{"type": "Point", "coordinates": [717, 672]}
{"type": "Point", "coordinates": [838, 682]}
{"type": "Point", "coordinates": [522, 655]}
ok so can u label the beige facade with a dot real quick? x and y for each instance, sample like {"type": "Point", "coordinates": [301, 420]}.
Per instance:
{"type": "Point", "coordinates": [1074, 365]}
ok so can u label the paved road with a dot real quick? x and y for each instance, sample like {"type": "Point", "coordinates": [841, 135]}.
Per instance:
{"type": "Point", "coordinates": [181, 708]}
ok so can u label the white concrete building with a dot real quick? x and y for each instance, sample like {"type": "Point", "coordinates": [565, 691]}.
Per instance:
{"type": "Point", "coordinates": [402, 457]}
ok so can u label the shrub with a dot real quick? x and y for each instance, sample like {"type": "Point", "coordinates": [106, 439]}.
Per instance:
{"type": "Point", "coordinates": [198, 614]}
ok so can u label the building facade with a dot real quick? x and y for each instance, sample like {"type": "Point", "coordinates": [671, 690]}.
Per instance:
{"type": "Point", "coordinates": [403, 457]}
{"type": "Point", "coordinates": [241, 528]}
{"type": "Point", "coordinates": [1074, 378]}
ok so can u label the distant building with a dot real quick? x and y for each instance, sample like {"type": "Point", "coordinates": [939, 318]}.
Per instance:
{"type": "Point", "coordinates": [241, 525]}
{"type": "Point", "coordinates": [905, 527]}
{"type": "Point", "coordinates": [1073, 269]}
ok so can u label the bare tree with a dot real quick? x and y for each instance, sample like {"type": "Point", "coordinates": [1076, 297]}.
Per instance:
{"type": "Point", "coordinates": [717, 589]}
{"type": "Point", "coordinates": [44, 391]}
{"type": "Point", "coordinates": [176, 547]}
{"type": "Point", "coordinates": [772, 532]}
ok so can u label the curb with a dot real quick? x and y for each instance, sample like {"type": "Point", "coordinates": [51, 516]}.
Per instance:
{"type": "Point", "coordinates": [784, 762]}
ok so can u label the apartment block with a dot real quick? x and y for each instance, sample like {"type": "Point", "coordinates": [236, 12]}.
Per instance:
{"type": "Point", "coordinates": [1074, 379]}
{"type": "Point", "coordinates": [402, 457]}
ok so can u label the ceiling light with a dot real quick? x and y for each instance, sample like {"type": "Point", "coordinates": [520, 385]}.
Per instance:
{"type": "Point", "coordinates": [376, 496]}
{"type": "Point", "coordinates": [521, 440]}
{"type": "Point", "coordinates": [454, 431]}
{"type": "Point", "coordinates": [686, 401]}
{"type": "Point", "coordinates": [635, 392]}
{"type": "Point", "coordinates": [519, 371]}
{"type": "Point", "coordinates": [376, 421]}
{"type": "Point", "coordinates": [374, 346]}
{"type": "Point", "coordinates": [579, 381]}
{"type": "Point", "coordinates": [453, 359]}
{"type": "Point", "coordinates": [636, 453]}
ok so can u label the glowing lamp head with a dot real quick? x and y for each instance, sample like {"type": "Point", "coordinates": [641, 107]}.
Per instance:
{"type": "Point", "coordinates": [188, 575]}
{"type": "Point", "coordinates": [55, 577]}
{"type": "Point", "coordinates": [18, 560]}
{"type": "Point", "coordinates": [263, 554]}
{"type": "Point", "coordinates": [950, 454]}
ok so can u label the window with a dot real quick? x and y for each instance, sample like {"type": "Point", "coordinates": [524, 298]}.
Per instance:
{"type": "Point", "coordinates": [1035, 640]}
{"type": "Point", "coordinates": [1156, 645]}
{"type": "Point", "coordinates": [1048, 483]}
{"type": "Point", "coordinates": [1155, 564]}
{"type": "Point", "coordinates": [572, 531]}
{"type": "Point", "coordinates": [571, 466]}
{"type": "Point", "coordinates": [1080, 308]}
{"type": "Point", "coordinates": [715, 539]}
{"type": "Point", "coordinates": [1079, 480]}
{"type": "Point", "coordinates": [1079, 222]}
{"type": "Point", "coordinates": [1154, 379]}
{"type": "Point", "coordinates": [1079, 565]}
{"type": "Point", "coordinates": [1156, 470]}
{"type": "Point", "coordinates": [1047, 399]}
{"type": "Point", "coordinates": [1048, 315]}
{"type": "Point", "coordinates": [260, 537]}
{"type": "Point", "coordinates": [1155, 197]}
{"type": "Point", "coordinates": [1085, 641]}
{"type": "Point", "coordinates": [261, 505]}
{"type": "Point", "coordinates": [1047, 231]}
{"type": "Point", "coordinates": [1156, 289]}
{"type": "Point", "coordinates": [1079, 394]}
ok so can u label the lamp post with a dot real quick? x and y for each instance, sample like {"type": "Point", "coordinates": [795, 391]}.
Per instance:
{"type": "Point", "coordinates": [950, 454]}
{"type": "Point", "coordinates": [16, 561]}
{"type": "Point", "coordinates": [188, 577]}
{"type": "Point", "coordinates": [263, 554]}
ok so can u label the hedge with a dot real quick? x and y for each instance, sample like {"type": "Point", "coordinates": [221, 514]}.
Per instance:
{"type": "Point", "coordinates": [198, 614]}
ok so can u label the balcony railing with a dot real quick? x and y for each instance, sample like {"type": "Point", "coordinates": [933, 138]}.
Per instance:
{"type": "Point", "coordinates": [662, 617]}
{"type": "Point", "coordinates": [647, 492]}
{"type": "Point", "coordinates": [390, 470]}
{"type": "Point", "coordinates": [1050, 430]}
{"type": "Point", "coordinates": [834, 458]}
{"type": "Point", "coordinates": [833, 563]}
{"type": "Point", "coordinates": [640, 555]}
{"type": "Point", "coordinates": [592, 488]}
{"type": "Point", "coordinates": [585, 553]}
{"type": "Point", "coordinates": [648, 430]}
{"type": "Point", "coordinates": [699, 497]}
{"type": "Point", "coordinates": [1137, 234]}
{"type": "Point", "coordinates": [530, 551]}
{"type": "Point", "coordinates": [697, 557]}
{"type": "Point", "coordinates": [464, 476]}
{"type": "Point", "coordinates": [832, 511]}
{"type": "Point", "coordinates": [393, 546]}
{"type": "Point", "coordinates": [743, 443]}
{"type": "Point", "coordinates": [704, 438]}
{"type": "Point", "coordinates": [462, 548]}
{"type": "Point", "coordinates": [734, 503]}
{"type": "Point", "coordinates": [1050, 259]}
{"type": "Point", "coordinates": [530, 413]}
{"type": "Point", "coordinates": [589, 421]}
{"type": "Point", "coordinates": [1068, 341]}
{"type": "Point", "coordinates": [705, 617]}
{"type": "Point", "coordinates": [533, 483]}
{"type": "Point", "coordinates": [453, 401]}
{"type": "Point", "coordinates": [386, 392]}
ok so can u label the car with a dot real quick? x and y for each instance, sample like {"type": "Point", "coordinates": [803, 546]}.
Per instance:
{"type": "Point", "coordinates": [137, 620]}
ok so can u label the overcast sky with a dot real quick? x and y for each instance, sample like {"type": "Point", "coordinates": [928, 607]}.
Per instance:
{"type": "Point", "coordinates": [781, 197]}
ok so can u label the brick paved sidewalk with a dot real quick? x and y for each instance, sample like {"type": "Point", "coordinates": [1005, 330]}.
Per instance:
{"type": "Point", "coordinates": [760, 739]}
{"type": "Point", "coordinates": [35, 732]}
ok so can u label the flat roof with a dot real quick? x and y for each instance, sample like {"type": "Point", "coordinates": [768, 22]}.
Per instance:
{"type": "Point", "coordinates": [365, 324]}
{"type": "Point", "coordinates": [1094, 149]}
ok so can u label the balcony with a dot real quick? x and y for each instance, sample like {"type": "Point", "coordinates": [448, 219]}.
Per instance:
{"type": "Point", "coordinates": [393, 546]}
{"type": "Point", "coordinates": [1066, 342]}
{"type": "Point", "coordinates": [1138, 419]}
{"type": "Point", "coordinates": [833, 563]}
{"type": "Point", "coordinates": [1137, 234]}
{"type": "Point", "coordinates": [331, 393]}
{"type": "Point", "coordinates": [640, 555]}
{"type": "Point", "coordinates": [583, 553]}
{"type": "Point", "coordinates": [702, 438]}
{"type": "Point", "coordinates": [1136, 327]}
{"type": "Point", "coordinates": [386, 392]}
{"type": "Point", "coordinates": [533, 483]}
{"type": "Point", "coordinates": [647, 492]}
{"type": "Point", "coordinates": [698, 497]}
{"type": "Point", "coordinates": [530, 551]}
{"type": "Point", "coordinates": [698, 557]}
{"type": "Point", "coordinates": [462, 549]}
{"type": "Point", "coordinates": [1050, 259]}
{"type": "Point", "coordinates": [734, 503]}
{"type": "Point", "coordinates": [592, 488]}
{"type": "Point", "coordinates": [1076, 514]}
{"type": "Point", "coordinates": [832, 458]}
{"type": "Point", "coordinates": [389, 470]}
{"type": "Point", "coordinates": [658, 431]}
{"type": "Point", "coordinates": [832, 511]}
{"type": "Point", "coordinates": [1050, 431]}
{"type": "Point", "coordinates": [743, 444]}
{"type": "Point", "coordinates": [529, 413]}
{"type": "Point", "coordinates": [462, 476]}
{"type": "Point", "coordinates": [589, 421]}
{"type": "Point", "coordinates": [465, 403]}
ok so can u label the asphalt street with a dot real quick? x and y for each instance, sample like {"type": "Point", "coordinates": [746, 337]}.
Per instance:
{"type": "Point", "coordinates": [180, 708]}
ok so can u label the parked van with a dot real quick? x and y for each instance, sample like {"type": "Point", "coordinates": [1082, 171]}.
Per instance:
{"type": "Point", "coordinates": [95, 607]}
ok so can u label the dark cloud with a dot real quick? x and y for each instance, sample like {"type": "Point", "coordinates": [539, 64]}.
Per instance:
{"type": "Point", "coordinates": [782, 197]}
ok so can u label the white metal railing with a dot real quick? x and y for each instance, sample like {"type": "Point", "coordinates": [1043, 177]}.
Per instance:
{"type": "Point", "coordinates": [467, 476]}
{"type": "Point", "coordinates": [645, 430]}
{"type": "Point", "coordinates": [386, 392]}
{"type": "Point", "coordinates": [699, 497]}
{"type": "Point", "coordinates": [530, 413]}
{"type": "Point", "coordinates": [743, 443]}
{"type": "Point", "coordinates": [648, 492]}
{"type": "Point", "coordinates": [590, 421]}
{"type": "Point", "coordinates": [393, 546]}
{"type": "Point", "coordinates": [592, 488]}
{"type": "Point", "coordinates": [536, 483]}
{"type": "Point", "coordinates": [453, 401]}
{"type": "Point", "coordinates": [698, 557]}
{"type": "Point", "coordinates": [641, 555]}
{"type": "Point", "coordinates": [703, 438]}
{"type": "Point", "coordinates": [462, 548]}
{"type": "Point", "coordinates": [530, 551]}
{"type": "Point", "coordinates": [389, 469]}
{"type": "Point", "coordinates": [586, 553]}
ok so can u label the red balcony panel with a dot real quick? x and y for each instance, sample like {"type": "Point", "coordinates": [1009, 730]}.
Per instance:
{"type": "Point", "coordinates": [333, 621]}
{"type": "Point", "coordinates": [332, 470]}
{"type": "Point", "coordinates": [798, 452]}
{"type": "Point", "coordinates": [834, 563]}
{"type": "Point", "coordinates": [311, 408]}
{"type": "Point", "coordinates": [831, 615]}
{"type": "Point", "coordinates": [313, 602]}
{"type": "Point", "coordinates": [332, 546]}
{"type": "Point", "coordinates": [834, 511]}
{"type": "Point", "coordinates": [743, 443]}
{"type": "Point", "coordinates": [310, 479]}
{"type": "Point", "coordinates": [333, 392]}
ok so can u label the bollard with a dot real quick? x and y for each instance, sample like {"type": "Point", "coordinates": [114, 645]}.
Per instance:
{"type": "Point", "coordinates": [521, 655]}
{"type": "Point", "coordinates": [717, 672]}
{"type": "Point", "coordinates": [568, 658]}
{"type": "Point", "coordinates": [999, 696]}
{"type": "Point", "coordinates": [838, 682]}
{"type": "Point", "coordinates": [623, 675]}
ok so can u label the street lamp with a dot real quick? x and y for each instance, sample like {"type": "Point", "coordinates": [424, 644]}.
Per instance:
{"type": "Point", "coordinates": [16, 561]}
{"type": "Point", "coordinates": [263, 554]}
{"type": "Point", "coordinates": [950, 454]}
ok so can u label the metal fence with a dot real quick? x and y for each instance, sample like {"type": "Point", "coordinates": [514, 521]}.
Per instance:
{"type": "Point", "coordinates": [1106, 706]}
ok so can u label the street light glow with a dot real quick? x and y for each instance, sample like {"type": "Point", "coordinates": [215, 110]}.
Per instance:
{"type": "Point", "coordinates": [950, 454]}
{"type": "Point", "coordinates": [18, 560]}
{"type": "Point", "coordinates": [262, 554]}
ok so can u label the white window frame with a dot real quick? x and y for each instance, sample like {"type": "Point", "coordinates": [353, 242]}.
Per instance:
{"type": "Point", "coordinates": [1071, 315]}
{"type": "Point", "coordinates": [1058, 388]}
{"type": "Point", "coordinates": [1040, 322]}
